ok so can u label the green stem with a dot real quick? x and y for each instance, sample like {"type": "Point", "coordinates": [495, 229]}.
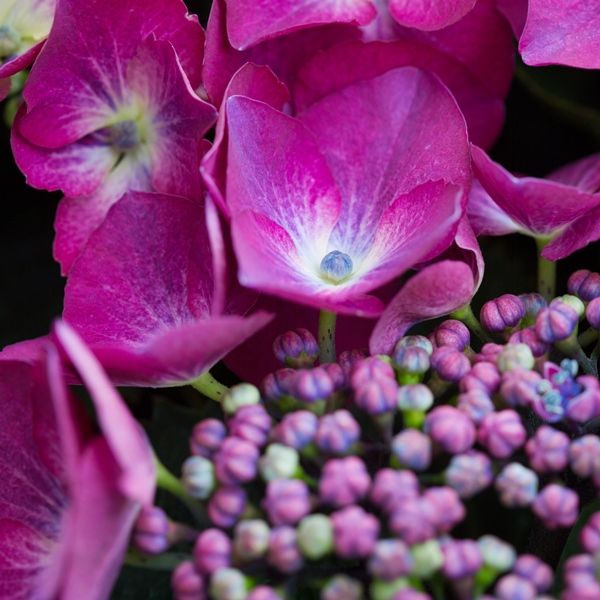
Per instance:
{"type": "Point", "coordinates": [588, 337]}
{"type": "Point", "coordinates": [546, 272]}
{"type": "Point", "coordinates": [167, 481]}
{"type": "Point", "coordinates": [465, 314]}
{"type": "Point", "coordinates": [206, 384]}
{"type": "Point", "coordinates": [167, 561]}
{"type": "Point", "coordinates": [571, 348]}
{"type": "Point", "coordinates": [327, 336]}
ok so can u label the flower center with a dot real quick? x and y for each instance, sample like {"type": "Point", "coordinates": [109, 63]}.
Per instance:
{"type": "Point", "coordinates": [124, 136]}
{"type": "Point", "coordinates": [336, 266]}
{"type": "Point", "coordinates": [9, 41]}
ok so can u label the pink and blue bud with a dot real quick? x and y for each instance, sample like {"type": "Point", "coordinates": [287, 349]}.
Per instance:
{"type": "Point", "coordinates": [337, 432]}
{"type": "Point", "coordinates": [236, 461]}
{"type": "Point", "coordinates": [187, 583]}
{"type": "Point", "coordinates": [452, 333]}
{"type": "Point", "coordinates": [377, 397]}
{"type": "Point", "coordinates": [315, 536]}
{"type": "Point", "coordinates": [413, 520]}
{"type": "Point", "coordinates": [579, 570]}
{"type": "Point", "coordinates": [451, 429]}
{"type": "Point", "coordinates": [355, 532]}
{"type": "Point", "coordinates": [392, 487]}
{"type": "Point", "coordinates": [502, 433]}
{"type": "Point", "coordinates": [515, 587]}
{"type": "Point", "coordinates": [242, 394]}
{"type": "Point", "coordinates": [286, 501]}
{"type": "Point", "coordinates": [228, 584]}
{"type": "Point", "coordinates": [312, 385]}
{"type": "Point", "coordinates": [151, 530]}
{"type": "Point", "coordinates": [414, 397]}
{"type": "Point", "coordinates": [412, 448]}
{"type": "Point", "coordinates": [412, 360]}
{"type": "Point", "coordinates": [497, 554]}
{"type": "Point", "coordinates": [420, 341]}
{"type": "Point", "coordinates": [517, 485]}
{"type": "Point", "coordinates": [447, 508]}
{"type": "Point", "coordinates": [556, 322]}
{"type": "Point", "coordinates": [279, 384]}
{"type": "Point", "coordinates": [297, 349]}
{"type": "Point", "coordinates": [476, 404]}
{"type": "Point", "coordinates": [450, 364]}
{"type": "Point", "coordinates": [370, 369]}
{"type": "Point", "coordinates": [584, 456]}
{"type": "Point", "coordinates": [297, 429]}
{"type": "Point", "coordinates": [585, 284]}
{"type": "Point", "coordinates": [592, 313]}
{"type": "Point", "coordinates": [590, 534]}
{"type": "Point", "coordinates": [263, 592]}
{"type": "Point", "coordinates": [548, 450]}
{"type": "Point", "coordinates": [278, 462]}
{"type": "Point", "coordinates": [462, 558]}
{"type": "Point", "coordinates": [390, 559]}
{"type": "Point", "coordinates": [198, 477]}
{"type": "Point", "coordinates": [557, 506]}
{"type": "Point", "coordinates": [207, 437]}
{"type": "Point", "coordinates": [504, 312]}
{"type": "Point", "coordinates": [349, 359]}
{"type": "Point", "coordinates": [344, 481]}
{"type": "Point", "coordinates": [529, 337]}
{"type": "Point", "coordinates": [284, 553]}
{"type": "Point", "coordinates": [212, 551]}
{"type": "Point", "coordinates": [484, 376]}
{"type": "Point", "coordinates": [574, 302]}
{"type": "Point", "coordinates": [536, 571]}
{"type": "Point", "coordinates": [227, 505]}
{"type": "Point", "coordinates": [251, 423]}
{"type": "Point", "coordinates": [533, 303]}
{"type": "Point", "coordinates": [342, 587]}
{"type": "Point", "coordinates": [469, 473]}
{"type": "Point", "coordinates": [411, 594]}
{"type": "Point", "coordinates": [520, 387]}
{"type": "Point", "coordinates": [250, 539]}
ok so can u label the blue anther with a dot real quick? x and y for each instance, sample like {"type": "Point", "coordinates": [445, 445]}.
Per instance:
{"type": "Point", "coordinates": [336, 266]}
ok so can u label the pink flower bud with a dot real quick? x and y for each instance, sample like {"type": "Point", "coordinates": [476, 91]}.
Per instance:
{"type": "Point", "coordinates": [476, 404]}
{"type": "Point", "coordinates": [483, 375]}
{"type": "Point", "coordinates": [312, 385]}
{"type": "Point", "coordinates": [529, 337]}
{"type": "Point", "coordinates": [283, 553]}
{"type": "Point", "coordinates": [447, 509]}
{"type": "Point", "coordinates": [212, 551]}
{"type": "Point", "coordinates": [377, 397]}
{"type": "Point", "coordinates": [227, 505]}
{"type": "Point", "coordinates": [151, 530]}
{"type": "Point", "coordinates": [462, 558]}
{"type": "Point", "coordinates": [548, 450]}
{"type": "Point", "coordinates": [502, 313]}
{"type": "Point", "coordinates": [354, 532]}
{"type": "Point", "coordinates": [556, 506]}
{"type": "Point", "coordinates": [297, 429]}
{"type": "Point", "coordinates": [236, 461]}
{"type": "Point", "coordinates": [530, 567]}
{"type": "Point", "coordinates": [251, 423]}
{"type": "Point", "coordinates": [590, 534]}
{"type": "Point", "coordinates": [390, 559]}
{"type": "Point", "coordinates": [412, 449]}
{"type": "Point", "coordinates": [449, 363]}
{"type": "Point", "coordinates": [450, 428]}
{"type": "Point", "coordinates": [187, 583]}
{"type": "Point", "coordinates": [413, 520]}
{"type": "Point", "coordinates": [263, 592]}
{"type": "Point", "coordinates": [452, 333]}
{"type": "Point", "coordinates": [391, 487]}
{"type": "Point", "coordinates": [557, 322]}
{"type": "Point", "coordinates": [584, 456]}
{"type": "Point", "coordinates": [286, 501]}
{"type": "Point", "coordinates": [337, 432]}
{"type": "Point", "coordinates": [297, 348]}
{"type": "Point", "coordinates": [469, 473]}
{"type": "Point", "coordinates": [592, 313]}
{"type": "Point", "coordinates": [516, 485]}
{"type": "Point", "coordinates": [278, 384]}
{"type": "Point", "coordinates": [510, 587]}
{"type": "Point", "coordinates": [207, 437]}
{"type": "Point", "coordinates": [369, 369]}
{"type": "Point", "coordinates": [585, 284]}
{"type": "Point", "coordinates": [344, 481]}
{"type": "Point", "coordinates": [502, 433]}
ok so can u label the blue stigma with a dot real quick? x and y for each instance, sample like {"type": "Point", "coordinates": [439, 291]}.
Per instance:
{"type": "Point", "coordinates": [336, 266]}
{"type": "Point", "coordinates": [124, 136]}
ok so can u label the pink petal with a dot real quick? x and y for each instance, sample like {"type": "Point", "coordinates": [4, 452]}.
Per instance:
{"type": "Point", "coordinates": [575, 236]}
{"type": "Point", "coordinates": [584, 174]}
{"type": "Point", "coordinates": [486, 217]}
{"type": "Point", "coordinates": [423, 14]}
{"type": "Point", "coordinates": [556, 33]}
{"type": "Point", "coordinates": [435, 291]}
{"type": "Point", "coordinates": [19, 63]}
{"type": "Point", "coordinates": [516, 13]}
{"type": "Point", "coordinates": [253, 21]}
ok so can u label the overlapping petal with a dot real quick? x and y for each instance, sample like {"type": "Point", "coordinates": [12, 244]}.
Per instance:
{"type": "Point", "coordinates": [427, 15]}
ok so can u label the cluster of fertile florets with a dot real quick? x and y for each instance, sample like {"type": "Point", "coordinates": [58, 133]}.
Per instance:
{"type": "Point", "coordinates": [364, 475]}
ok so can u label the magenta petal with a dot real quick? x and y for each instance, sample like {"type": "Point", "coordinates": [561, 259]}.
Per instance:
{"type": "Point", "coordinates": [486, 217]}
{"type": "Point", "coordinates": [540, 206]}
{"type": "Point", "coordinates": [435, 291]}
{"type": "Point", "coordinates": [516, 13]}
{"type": "Point", "coordinates": [427, 15]}
{"type": "Point", "coordinates": [556, 33]}
{"type": "Point", "coordinates": [258, 83]}
{"type": "Point", "coordinates": [21, 62]}
{"type": "Point", "coordinates": [584, 174]}
{"type": "Point", "coordinates": [253, 21]}
{"type": "Point", "coordinates": [575, 236]}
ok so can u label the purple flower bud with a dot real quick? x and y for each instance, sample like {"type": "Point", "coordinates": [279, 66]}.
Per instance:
{"type": "Point", "coordinates": [349, 359]}
{"type": "Point", "coordinates": [411, 594]}
{"type": "Point", "coordinates": [502, 313]}
{"type": "Point", "coordinates": [228, 584]}
{"type": "Point", "coordinates": [557, 506]}
{"type": "Point", "coordinates": [412, 449]}
{"type": "Point", "coordinates": [297, 429]}
{"type": "Point", "coordinates": [517, 485]}
{"type": "Point", "coordinates": [585, 284]}
{"type": "Point", "coordinates": [342, 587]}
{"type": "Point", "coordinates": [297, 348]}
{"type": "Point", "coordinates": [242, 394]}
{"type": "Point", "coordinates": [462, 558]}
{"type": "Point", "coordinates": [519, 387]}
{"type": "Point", "coordinates": [392, 487]}
{"type": "Point", "coordinates": [263, 592]}
{"type": "Point", "coordinates": [286, 501]}
{"type": "Point", "coordinates": [584, 456]}
{"type": "Point", "coordinates": [212, 551]}
{"type": "Point", "coordinates": [207, 437]}
{"type": "Point", "coordinates": [312, 385]}
{"type": "Point", "coordinates": [337, 375]}
{"type": "Point", "coordinates": [354, 532]}
{"type": "Point", "coordinates": [390, 559]}
{"type": "Point", "coordinates": [584, 590]}
{"type": "Point", "coordinates": [489, 353]}
{"type": "Point", "coordinates": [344, 481]}
{"type": "Point", "coordinates": [187, 583]}
{"type": "Point", "coordinates": [530, 567]}
{"type": "Point", "coordinates": [585, 405]}
{"type": "Point", "coordinates": [482, 376]}
{"type": "Point", "coordinates": [529, 337]}
{"type": "Point", "coordinates": [514, 587]}
{"type": "Point", "coordinates": [370, 369]}
{"type": "Point", "coordinates": [411, 359]}
{"type": "Point", "coordinates": [579, 569]}
{"type": "Point", "coordinates": [151, 530]}
{"type": "Point", "coordinates": [227, 505]}
{"type": "Point", "coordinates": [413, 520]}
{"type": "Point", "coordinates": [502, 433]}
{"type": "Point", "coordinates": [515, 356]}
{"type": "Point", "coordinates": [315, 536]}
{"type": "Point", "coordinates": [278, 462]}
{"type": "Point", "coordinates": [236, 461]}
{"type": "Point", "coordinates": [450, 364]}
{"type": "Point", "coordinates": [337, 432]}
{"type": "Point", "coordinates": [450, 428]}
{"type": "Point", "coordinates": [590, 534]}
{"type": "Point", "coordinates": [496, 553]}
{"type": "Point", "coordinates": [278, 384]}
{"type": "Point", "coordinates": [476, 404]}
{"type": "Point", "coordinates": [592, 313]}
{"type": "Point", "coordinates": [377, 397]}
{"type": "Point", "coordinates": [414, 396]}
{"type": "Point", "coordinates": [469, 473]}
{"type": "Point", "coordinates": [284, 553]}
{"type": "Point", "coordinates": [420, 341]}
{"type": "Point", "coordinates": [533, 303]}
{"type": "Point", "coordinates": [557, 322]}
{"type": "Point", "coordinates": [250, 539]}
{"type": "Point", "coordinates": [251, 423]}
{"type": "Point", "coordinates": [448, 510]}
{"type": "Point", "coordinates": [452, 333]}
{"type": "Point", "coordinates": [548, 450]}
{"type": "Point", "coordinates": [198, 477]}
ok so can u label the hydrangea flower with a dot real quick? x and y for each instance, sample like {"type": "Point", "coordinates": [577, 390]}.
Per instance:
{"type": "Point", "coordinates": [70, 496]}
{"type": "Point", "coordinates": [131, 119]}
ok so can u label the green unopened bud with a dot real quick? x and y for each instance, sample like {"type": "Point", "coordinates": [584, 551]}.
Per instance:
{"type": "Point", "coordinates": [515, 356]}
{"type": "Point", "coordinates": [240, 395]}
{"type": "Point", "coordinates": [428, 558]}
{"type": "Point", "coordinates": [342, 587]}
{"type": "Point", "coordinates": [228, 584]}
{"type": "Point", "coordinates": [496, 554]}
{"type": "Point", "coordinates": [251, 539]}
{"type": "Point", "coordinates": [575, 303]}
{"type": "Point", "coordinates": [198, 477]}
{"type": "Point", "coordinates": [278, 462]}
{"type": "Point", "coordinates": [315, 536]}
{"type": "Point", "coordinates": [386, 590]}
